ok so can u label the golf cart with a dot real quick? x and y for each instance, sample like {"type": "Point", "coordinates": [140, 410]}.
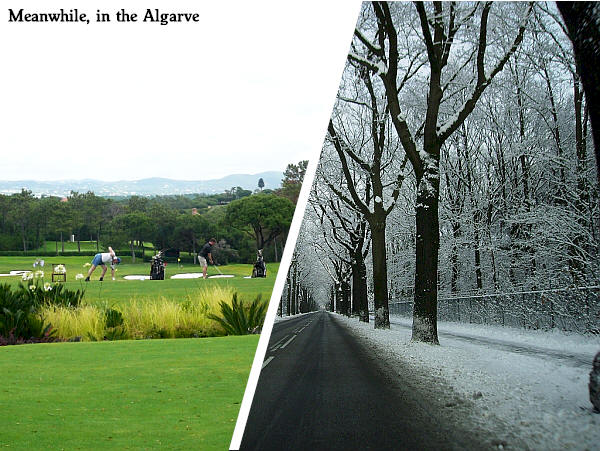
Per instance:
{"type": "Point", "coordinates": [259, 269]}
{"type": "Point", "coordinates": [157, 267]}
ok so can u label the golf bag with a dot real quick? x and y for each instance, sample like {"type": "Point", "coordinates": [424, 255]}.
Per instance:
{"type": "Point", "coordinates": [259, 269]}
{"type": "Point", "coordinates": [157, 267]}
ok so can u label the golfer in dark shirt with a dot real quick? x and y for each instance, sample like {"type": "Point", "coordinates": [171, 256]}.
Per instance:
{"type": "Point", "coordinates": [205, 254]}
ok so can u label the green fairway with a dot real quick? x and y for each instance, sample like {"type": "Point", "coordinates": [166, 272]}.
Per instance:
{"type": "Point", "coordinates": [52, 246]}
{"type": "Point", "coordinates": [121, 290]}
{"type": "Point", "coordinates": [145, 394]}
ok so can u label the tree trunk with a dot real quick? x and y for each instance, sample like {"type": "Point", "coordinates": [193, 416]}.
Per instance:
{"type": "Point", "coordinates": [360, 301]}
{"type": "Point", "coordinates": [454, 257]}
{"type": "Point", "coordinates": [289, 297]}
{"type": "Point", "coordinates": [24, 240]}
{"type": "Point", "coordinates": [427, 248]}
{"type": "Point", "coordinates": [294, 291]}
{"type": "Point", "coordinates": [331, 298]}
{"type": "Point", "coordinates": [525, 175]}
{"type": "Point", "coordinates": [132, 251]}
{"type": "Point", "coordinates": [491, 246]}
{"type": "Point", "coordinates": [62, 243]}
{"type": "Point", "coordinates": [478, 277]}
{"type": "Point", "coordinates": [354, 291]}
{"type": "Point", "coordinates": [380, 288]}
{"type": "Point", "coordinates": [577, 260]}
{"type": "Point", "coordinates": [346, 298]}
{"type": "Point", "coordinates": [581, 19]}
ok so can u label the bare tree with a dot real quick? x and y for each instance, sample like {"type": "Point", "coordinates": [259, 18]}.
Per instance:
{"type": "Point", "coordinates": [582, 21]}
{"type": "Point", "coordinates": [372, 154]}
{"type": "Point", "coordinates": [384, 53]}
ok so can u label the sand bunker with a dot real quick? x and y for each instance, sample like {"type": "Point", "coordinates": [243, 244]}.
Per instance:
{"type": "Point", "coordinates": [14, 273]}
{"type": "Point", "coordinates": [136, 277]}
{"type": "Point", "coordinates": [189, 275]}
{"type": "Point", "coordinates": [198, 275]}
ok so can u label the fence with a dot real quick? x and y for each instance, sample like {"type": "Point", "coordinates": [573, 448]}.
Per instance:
{"type": "Point", "coordinates": [575, 309]}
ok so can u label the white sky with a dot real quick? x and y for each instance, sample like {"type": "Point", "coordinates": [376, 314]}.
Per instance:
{"type": "Point", "coordinates": [247, 89]}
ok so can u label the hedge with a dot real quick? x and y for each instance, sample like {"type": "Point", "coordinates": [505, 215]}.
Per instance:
{"type": "Point", "coordinates": [127, 252]}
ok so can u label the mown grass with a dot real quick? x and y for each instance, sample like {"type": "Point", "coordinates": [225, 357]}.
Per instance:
{"type": "Point", "coordinates": [147, 394]}
{"type": "Point", "coordinates": [123, 291]}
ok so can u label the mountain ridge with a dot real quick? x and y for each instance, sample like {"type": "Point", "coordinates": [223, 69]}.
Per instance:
{"type": "Point", "coordinates": [150, 186]}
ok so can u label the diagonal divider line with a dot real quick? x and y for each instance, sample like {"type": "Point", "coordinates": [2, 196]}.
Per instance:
{"type": "Point", "coordinates": [284, 266]}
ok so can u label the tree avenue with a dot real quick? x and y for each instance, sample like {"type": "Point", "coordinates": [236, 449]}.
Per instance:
{"type": "Point", "coordinates": [485, 101]}
{"type": "Point", "coordinates": [380, 48]}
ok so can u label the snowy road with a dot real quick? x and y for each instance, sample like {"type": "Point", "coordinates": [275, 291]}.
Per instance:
{"type": "Point", "coordinates": [564, 357]}
{"type": "Point", "coordinates": [526, 388]}
{"type": "Point", "coordinates": [320, 389]}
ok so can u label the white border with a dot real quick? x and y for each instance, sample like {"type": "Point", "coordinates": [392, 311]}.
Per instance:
{"type": "Point", "coordinates": [286, 259]}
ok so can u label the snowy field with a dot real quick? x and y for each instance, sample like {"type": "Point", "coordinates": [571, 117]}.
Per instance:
{"type": "Point", "coordinates": [527, 400]}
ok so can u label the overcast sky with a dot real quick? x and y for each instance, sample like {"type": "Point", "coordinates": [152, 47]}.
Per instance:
{"type": "Point", "coordinates": [247, 89]}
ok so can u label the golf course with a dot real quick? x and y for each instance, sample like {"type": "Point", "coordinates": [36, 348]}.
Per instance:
{"type": "Point", "coordinates": [148, 353]}
{"type": "Point", "coordinates": [123, 291]}
{"type": "Point", "coordinates": [114, 388]}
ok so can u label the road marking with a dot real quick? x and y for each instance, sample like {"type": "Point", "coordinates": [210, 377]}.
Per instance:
{"type": "Point", "coordinates": [267, 362]}
{"type": "Point", "coordinates": [287, 342]}
{"type": "Point", "coordinates": [276, 345]}
{"type": "Point", "coordinates": [303, 327]}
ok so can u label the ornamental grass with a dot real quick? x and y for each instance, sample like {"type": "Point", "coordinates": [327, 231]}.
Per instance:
{"type": "Point", "coordinates": [141, 318]}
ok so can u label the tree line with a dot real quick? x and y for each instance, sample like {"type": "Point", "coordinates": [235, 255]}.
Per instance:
{"type": "Point", "coordinates": [242, 221]}
{"type": "Point", "coordinates": [459, 158]}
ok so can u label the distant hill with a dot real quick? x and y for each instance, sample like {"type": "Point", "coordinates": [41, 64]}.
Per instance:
{"type": "Point", "coordinates": [145, 187]}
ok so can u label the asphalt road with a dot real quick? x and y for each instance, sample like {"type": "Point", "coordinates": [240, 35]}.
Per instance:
{"type": "Point", "coordinates": [320, 390]}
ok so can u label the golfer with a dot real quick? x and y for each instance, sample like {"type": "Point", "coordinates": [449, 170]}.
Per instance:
{"type": "Point", "coordinates": [206, 253]}
{"type": "Point", "coordinates": [103, 259]}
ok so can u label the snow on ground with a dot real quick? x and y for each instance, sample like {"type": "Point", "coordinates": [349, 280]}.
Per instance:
{"type": "Point", "coordinates": [285, 318]}
{"type": "Point", "coordinates": [541, 403]}
{"type": "Point", "coordinates": [559, 341]}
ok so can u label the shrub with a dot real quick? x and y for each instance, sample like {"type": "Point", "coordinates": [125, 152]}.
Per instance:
{"type": "Point", "coordinates": [38, 294]}
{"type": "Point", "coordinates": [240, 319]}
{"type": "Point", "coordinates": [20, 321]}
{"type": "Point", "coordinates": [38, 253]}
{"type": "Point", "coordinates": [113, 318]}
{"type": "Point", "coordinates": [113, 321]}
